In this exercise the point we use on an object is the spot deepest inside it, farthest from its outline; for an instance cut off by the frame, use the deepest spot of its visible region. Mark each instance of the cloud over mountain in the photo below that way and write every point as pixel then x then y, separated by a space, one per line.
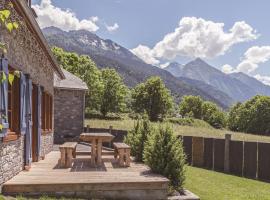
pixel 50 15
pixel 112 28
pixel 197 37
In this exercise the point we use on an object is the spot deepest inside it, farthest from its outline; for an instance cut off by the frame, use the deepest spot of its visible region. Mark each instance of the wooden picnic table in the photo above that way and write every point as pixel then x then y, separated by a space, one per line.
pixel 96 140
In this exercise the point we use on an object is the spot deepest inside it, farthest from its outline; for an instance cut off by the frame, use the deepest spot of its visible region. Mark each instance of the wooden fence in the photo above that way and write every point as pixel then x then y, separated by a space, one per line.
pixel 247 159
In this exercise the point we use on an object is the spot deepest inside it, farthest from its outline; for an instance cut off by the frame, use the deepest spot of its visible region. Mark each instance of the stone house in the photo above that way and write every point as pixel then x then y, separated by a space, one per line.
pixel 69 106
pixel 27 103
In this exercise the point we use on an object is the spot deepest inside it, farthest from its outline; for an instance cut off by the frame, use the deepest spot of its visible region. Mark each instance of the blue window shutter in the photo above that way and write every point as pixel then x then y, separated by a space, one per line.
pixel 28 133
pixel 4 97
pixel 39 120
pixel 22 103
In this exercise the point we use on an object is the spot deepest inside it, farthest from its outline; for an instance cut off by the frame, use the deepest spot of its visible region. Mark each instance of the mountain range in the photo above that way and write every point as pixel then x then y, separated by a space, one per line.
pixel 238 86
pixel 194 78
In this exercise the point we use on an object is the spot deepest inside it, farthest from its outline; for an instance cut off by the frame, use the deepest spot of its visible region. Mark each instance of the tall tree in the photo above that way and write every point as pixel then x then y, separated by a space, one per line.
pixel 114 93
pixel 152 97
pixel 83 67
pixel 252 116
pixel 213 115
pixel 191 106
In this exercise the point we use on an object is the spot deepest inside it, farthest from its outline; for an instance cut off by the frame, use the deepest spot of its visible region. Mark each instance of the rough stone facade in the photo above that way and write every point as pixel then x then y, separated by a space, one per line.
pixel 11 159
pixel 68 114
pixel 24 53
pixel 46 144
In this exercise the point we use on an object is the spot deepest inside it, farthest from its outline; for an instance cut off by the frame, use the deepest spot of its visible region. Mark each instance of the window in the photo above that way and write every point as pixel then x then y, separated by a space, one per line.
pixel 13 109
pixel 46 112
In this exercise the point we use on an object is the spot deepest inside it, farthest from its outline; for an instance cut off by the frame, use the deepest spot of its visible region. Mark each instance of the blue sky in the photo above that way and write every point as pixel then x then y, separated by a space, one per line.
pixel 147 22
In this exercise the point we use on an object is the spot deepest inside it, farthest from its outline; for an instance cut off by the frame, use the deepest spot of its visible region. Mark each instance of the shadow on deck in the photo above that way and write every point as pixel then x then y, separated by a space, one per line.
pixel 108 181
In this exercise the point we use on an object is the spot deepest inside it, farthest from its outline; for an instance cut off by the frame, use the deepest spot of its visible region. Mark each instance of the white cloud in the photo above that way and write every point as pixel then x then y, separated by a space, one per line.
pixel 197 37
pixel 146 54
pixel 164 65
pixel 112 28
pixel 252 58
pixel 49 15
pixel 227 69
pixel 264 79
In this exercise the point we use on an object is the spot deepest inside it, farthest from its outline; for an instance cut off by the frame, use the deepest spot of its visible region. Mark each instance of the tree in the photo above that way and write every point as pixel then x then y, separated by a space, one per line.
pixel 114 92
pixel 83 67
pixel 152 97
pixel 253 116
pixel 191 106
pixel 164 154
pixel 138 136
pixel 213 115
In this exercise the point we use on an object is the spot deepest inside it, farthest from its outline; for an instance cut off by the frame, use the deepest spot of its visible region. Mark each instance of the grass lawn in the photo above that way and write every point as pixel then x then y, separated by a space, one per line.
pixel 127 124
pixel 210 185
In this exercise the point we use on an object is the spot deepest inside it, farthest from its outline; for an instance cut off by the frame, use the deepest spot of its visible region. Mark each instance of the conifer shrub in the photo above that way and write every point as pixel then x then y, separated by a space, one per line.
pixel 164 154
pixel 138 136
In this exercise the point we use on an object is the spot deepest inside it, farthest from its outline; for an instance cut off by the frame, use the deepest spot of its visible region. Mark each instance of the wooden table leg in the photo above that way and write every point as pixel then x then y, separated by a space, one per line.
pixel 69 158
pixel 121 157
pixel 62 161
pixel 99 151
pixel 127 154
pixel 93 152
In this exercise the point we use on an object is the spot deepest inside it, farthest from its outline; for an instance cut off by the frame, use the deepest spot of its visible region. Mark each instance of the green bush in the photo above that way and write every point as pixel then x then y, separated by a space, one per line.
pixel 137 137
pixel 164 155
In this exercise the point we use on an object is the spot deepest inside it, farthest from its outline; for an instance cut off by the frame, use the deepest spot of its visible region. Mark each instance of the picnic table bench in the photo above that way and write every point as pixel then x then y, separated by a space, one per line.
pixel 68 152
pixel 123 151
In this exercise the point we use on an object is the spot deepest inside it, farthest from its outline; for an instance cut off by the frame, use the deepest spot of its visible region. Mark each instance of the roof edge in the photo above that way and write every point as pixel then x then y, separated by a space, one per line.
pixel 25 10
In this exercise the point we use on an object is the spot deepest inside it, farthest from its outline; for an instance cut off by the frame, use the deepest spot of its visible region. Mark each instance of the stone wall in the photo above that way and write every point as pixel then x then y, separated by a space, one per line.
pixel 46 144
pixel 25 53
pixel 68 114
pixel 11 159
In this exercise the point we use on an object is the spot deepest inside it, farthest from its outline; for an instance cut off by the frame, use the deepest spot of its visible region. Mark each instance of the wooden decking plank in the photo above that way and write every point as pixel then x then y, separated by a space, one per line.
pixel 45 176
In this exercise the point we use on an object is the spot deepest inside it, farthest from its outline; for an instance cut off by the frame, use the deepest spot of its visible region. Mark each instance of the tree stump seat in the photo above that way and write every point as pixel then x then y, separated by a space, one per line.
pixel 122 151
pixel 68 153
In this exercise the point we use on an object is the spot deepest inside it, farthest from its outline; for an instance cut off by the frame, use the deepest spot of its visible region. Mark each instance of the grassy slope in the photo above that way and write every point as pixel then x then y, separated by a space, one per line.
pixel 128 124
pixel 209 185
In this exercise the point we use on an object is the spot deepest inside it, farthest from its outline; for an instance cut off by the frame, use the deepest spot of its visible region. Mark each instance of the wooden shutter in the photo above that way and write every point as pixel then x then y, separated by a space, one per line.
pixel 22 103
pixel 4 97
pixel 39 120
pixel 28 135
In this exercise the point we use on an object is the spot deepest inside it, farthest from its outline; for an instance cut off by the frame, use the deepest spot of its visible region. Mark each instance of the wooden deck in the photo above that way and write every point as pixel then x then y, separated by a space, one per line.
pixel 108 181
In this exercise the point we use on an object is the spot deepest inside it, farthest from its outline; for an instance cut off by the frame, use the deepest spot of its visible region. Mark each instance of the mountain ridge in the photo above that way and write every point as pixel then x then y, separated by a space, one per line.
pixel 238 86
pixel 106 53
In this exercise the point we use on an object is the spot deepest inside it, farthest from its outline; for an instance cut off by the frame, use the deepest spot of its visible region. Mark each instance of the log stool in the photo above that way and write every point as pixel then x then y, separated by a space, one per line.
pixel 123 151
pixel 68 152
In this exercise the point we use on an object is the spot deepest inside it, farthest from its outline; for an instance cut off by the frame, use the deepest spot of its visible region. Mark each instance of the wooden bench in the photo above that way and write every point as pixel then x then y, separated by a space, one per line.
pixel 123 151
pixel 68 152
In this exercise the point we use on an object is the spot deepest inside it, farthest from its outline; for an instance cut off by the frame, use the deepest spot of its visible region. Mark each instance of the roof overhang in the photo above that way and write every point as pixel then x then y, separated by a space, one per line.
pixel 27 13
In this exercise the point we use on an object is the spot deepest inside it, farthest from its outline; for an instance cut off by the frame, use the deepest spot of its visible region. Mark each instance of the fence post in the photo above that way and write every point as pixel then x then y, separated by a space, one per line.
pixel 110 131
pixel 227 153
pixel 88 128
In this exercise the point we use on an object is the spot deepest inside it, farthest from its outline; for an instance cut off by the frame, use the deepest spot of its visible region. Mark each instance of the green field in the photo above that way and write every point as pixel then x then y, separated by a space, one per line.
pixel 203 131
pixel 210 185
